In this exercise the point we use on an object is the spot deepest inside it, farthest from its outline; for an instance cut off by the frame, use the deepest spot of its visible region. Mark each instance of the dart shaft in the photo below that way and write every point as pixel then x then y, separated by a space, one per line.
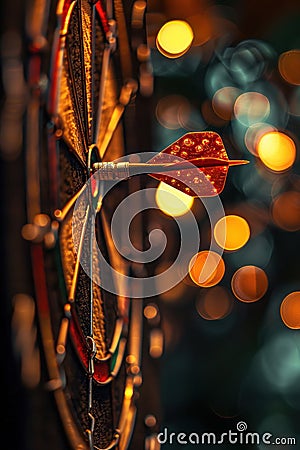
pixel 122 170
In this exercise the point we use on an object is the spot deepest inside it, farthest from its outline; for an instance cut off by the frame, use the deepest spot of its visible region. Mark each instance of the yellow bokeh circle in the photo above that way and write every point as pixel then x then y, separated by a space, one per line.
pixel 174 38
pixel 171 201
pixel 277 151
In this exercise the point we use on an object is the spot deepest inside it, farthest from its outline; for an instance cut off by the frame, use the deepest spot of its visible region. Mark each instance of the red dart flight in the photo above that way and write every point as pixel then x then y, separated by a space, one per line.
pixel 206 151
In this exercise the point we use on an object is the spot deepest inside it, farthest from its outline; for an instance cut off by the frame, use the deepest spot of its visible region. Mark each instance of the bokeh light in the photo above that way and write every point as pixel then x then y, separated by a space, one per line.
pixel 251 107
pixel 281 362
pixel 249 284
pixel 215 303
pixel 217 77
pixel 254 133
pixel 206 268
pixel 243 89
pixel 172 201
pixel 223 101
pixel 277 151
pixel 30 232
pixel 172 110
pixel 286 211
pixel 289 66
pixel 249 60
pixel 231 232
pixel 174 38
pixel 290 310
pixel 156 345
pixel 24 339
pixel 150 311
pixel 270 113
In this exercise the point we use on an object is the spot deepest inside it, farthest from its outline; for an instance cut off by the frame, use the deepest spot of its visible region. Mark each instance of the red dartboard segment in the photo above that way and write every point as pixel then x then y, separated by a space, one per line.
pixel 102 16
pixel 204 181
pixel 101 368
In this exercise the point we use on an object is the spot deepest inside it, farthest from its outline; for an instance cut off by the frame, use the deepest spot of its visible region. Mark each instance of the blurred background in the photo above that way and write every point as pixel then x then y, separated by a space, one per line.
pixel 230 345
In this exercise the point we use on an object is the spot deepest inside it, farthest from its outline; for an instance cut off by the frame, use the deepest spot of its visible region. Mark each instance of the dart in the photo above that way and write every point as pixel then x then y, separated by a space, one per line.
pixel 196 162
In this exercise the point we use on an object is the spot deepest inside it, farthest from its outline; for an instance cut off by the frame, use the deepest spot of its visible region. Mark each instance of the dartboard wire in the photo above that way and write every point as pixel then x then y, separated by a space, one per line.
pixel 72 292
pixel 127 91
pixel 60 214
pixel 90 337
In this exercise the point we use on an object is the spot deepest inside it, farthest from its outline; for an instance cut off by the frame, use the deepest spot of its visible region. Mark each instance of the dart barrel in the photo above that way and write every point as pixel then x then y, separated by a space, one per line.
pixel 112 171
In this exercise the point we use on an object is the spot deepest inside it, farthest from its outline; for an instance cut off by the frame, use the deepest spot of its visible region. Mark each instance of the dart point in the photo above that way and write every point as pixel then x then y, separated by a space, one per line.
pixel 237 162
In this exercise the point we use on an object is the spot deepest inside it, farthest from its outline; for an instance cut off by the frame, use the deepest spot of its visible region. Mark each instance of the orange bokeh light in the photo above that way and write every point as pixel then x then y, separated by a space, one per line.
pixel 150 312
pixel 215 304
pixel 254 133
pixel 249 284
pixel 232 232
pixel 290 310
pixel 206 268
pixel 277 151
pixel 156 344
pixel 286 211
pixel 289 66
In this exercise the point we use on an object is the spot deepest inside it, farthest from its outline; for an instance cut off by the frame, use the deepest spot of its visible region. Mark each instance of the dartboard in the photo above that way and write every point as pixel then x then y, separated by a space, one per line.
pixel 81 72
